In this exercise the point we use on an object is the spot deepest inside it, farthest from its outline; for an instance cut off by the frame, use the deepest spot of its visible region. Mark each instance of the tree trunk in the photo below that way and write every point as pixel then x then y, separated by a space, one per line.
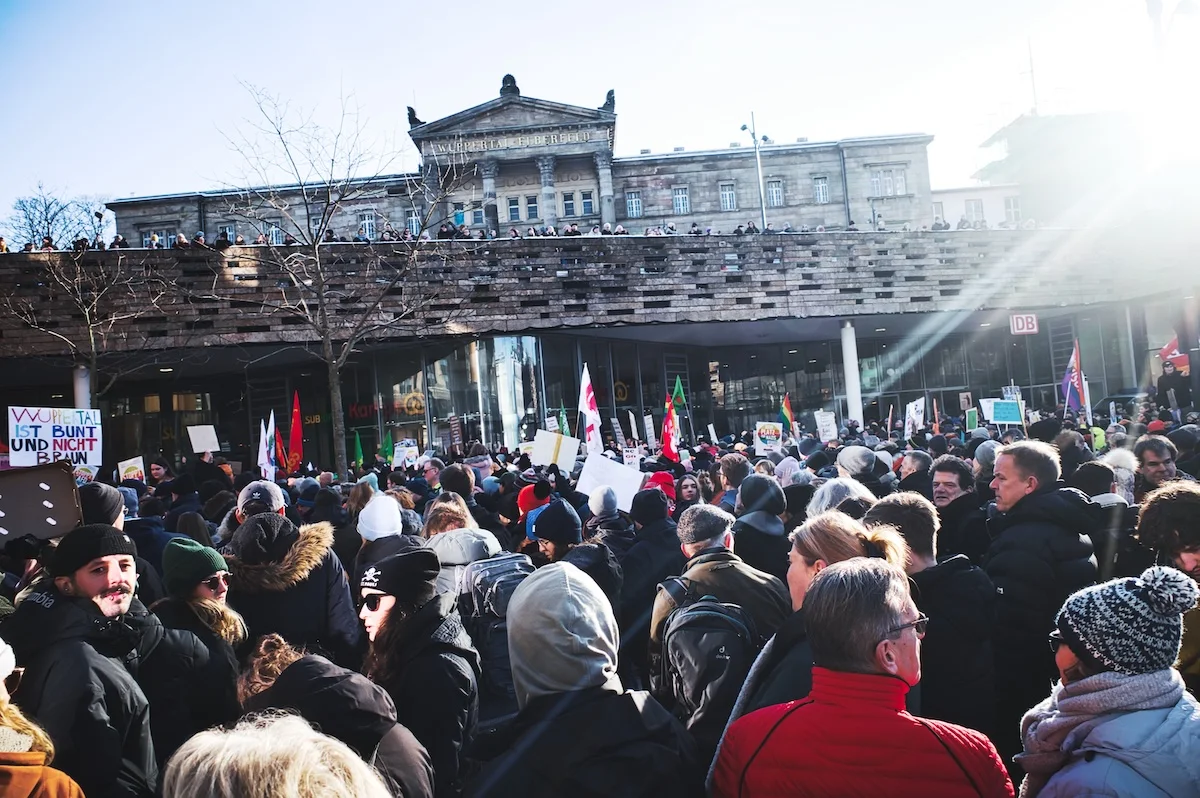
pixel 335 408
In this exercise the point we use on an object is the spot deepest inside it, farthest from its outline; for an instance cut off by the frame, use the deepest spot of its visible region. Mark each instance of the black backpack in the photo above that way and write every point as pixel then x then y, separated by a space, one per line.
pixel 708 647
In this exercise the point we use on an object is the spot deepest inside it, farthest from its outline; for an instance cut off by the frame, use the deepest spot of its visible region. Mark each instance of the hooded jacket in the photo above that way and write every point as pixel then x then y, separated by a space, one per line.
pixel 653 557
pixel 79 687
pixel 957 670
pixel 964 528
pixel 456 550
pixel 597 561
pixel 435 686
pixel 350 707
pixel 762 542
pixel 301 593
pixel 616 532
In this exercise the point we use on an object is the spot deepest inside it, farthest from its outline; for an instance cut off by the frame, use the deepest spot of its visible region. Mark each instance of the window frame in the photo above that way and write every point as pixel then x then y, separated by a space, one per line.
pixel 1012 209
pixel 727 194
pixel 412 221
pixel 587 203
pixel 969 207
pixel 634 209
pixel 532 208
pixel 514 209
pixel 820 184
pixel 568 204
pixel 680 208
pixel 775 194
pixel 366 222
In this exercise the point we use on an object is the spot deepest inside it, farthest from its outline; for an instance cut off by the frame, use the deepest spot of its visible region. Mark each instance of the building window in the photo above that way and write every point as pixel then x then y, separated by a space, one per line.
pixel 514 209
pixel 821 190
pixel 901 183
pixel 569 203
pixel 679 201
pixel 775 193
pixel 974 210
pixel 1012 210
pixel 460 213
pixel 228 230
pixel 477 216
pixel 366 224
pixel 531 207
pixel 589 206
pixel 728 197
pixel 633 204
pixel 165 237
pixel 888 183
pixel 274 232
pixel 938 212
pixel 412 221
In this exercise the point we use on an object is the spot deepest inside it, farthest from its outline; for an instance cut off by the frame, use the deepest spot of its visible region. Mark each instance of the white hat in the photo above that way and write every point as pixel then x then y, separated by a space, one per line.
pixel 381 518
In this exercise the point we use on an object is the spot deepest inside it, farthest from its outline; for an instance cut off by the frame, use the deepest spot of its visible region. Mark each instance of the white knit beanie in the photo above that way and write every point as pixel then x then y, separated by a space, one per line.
pixel 380 518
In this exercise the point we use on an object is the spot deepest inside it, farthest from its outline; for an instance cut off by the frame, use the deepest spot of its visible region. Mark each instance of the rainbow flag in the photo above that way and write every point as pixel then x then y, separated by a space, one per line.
pixel 786 417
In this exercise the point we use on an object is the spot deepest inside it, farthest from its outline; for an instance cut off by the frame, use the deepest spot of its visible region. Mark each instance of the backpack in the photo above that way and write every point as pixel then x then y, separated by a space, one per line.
pixel 708 647
pixel 487 587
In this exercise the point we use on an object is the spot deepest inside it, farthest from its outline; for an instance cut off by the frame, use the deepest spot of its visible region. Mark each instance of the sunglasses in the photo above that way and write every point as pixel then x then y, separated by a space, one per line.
pixel 919 626
pixel 13 680
pixel 1056 640
pixel 215 581
pixel 371 601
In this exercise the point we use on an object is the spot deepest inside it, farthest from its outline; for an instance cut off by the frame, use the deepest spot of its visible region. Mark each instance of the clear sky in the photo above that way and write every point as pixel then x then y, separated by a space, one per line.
pixel 135 97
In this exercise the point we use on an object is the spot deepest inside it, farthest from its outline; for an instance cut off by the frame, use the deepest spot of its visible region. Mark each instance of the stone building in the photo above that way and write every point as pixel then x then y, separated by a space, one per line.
pixel 521 162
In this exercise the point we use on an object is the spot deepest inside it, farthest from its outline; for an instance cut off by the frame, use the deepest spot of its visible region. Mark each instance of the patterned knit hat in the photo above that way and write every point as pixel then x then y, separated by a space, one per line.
pixel 1132 625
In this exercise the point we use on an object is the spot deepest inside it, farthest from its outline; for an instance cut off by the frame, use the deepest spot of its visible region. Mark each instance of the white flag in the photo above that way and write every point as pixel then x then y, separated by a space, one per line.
pixel 591 414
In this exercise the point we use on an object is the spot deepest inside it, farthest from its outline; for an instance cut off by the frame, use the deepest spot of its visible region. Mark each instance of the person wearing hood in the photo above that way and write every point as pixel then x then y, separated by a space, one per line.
pixel 607 524
pixel 559 536
pixel 103 504
pixel 422 656
pixel 184 499
pixel 341 703
pixel 1119 721
pixel 457 548
pixel 460 479
pixel 288 580
pixel 578 732
pixel 762 542
pixel 327 507
pixel 382 533
pixel 862 465
pixel 95 660
pixel 1040 554
pixel 957 669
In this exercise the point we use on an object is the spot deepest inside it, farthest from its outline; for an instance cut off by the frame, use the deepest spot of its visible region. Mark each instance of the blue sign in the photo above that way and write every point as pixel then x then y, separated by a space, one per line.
pixel 1006 412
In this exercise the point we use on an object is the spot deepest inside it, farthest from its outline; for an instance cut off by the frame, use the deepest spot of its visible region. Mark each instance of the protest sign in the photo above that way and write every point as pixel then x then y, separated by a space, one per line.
pixel 985 407
pixel 550 447
pixel 827 427
pixel 133 468
pixel 618 433
pixel 84 474
pixel 633 425
pixel 768 437
pixel 914 417
pixel 599 470
pixel 40 435
pixel 712 433
pixel 525 448
pixel 1011 393
pixel 972 418
pixel 204 439
pixel 1113 416
pixel 651 441
pixel 631 456
pixel 964 400
pixel 551 424
pixel 1005 411
pixel 39 501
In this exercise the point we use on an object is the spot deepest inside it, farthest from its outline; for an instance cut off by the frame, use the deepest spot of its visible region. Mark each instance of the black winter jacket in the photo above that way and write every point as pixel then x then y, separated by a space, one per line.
pixel 762 543
pixel 616 533
pixel 653 557
pixel 597 561
pixel 305 596
pixel 593 743
pixel 435 686
pixel 917 482
pixel 189 503
pixel 486 519
pixel 964 529
pixel 350 707
pixel 150 537
pixel 957 671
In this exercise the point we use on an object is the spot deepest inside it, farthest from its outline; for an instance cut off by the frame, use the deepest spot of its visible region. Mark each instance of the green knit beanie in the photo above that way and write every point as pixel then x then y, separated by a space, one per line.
pixel 186 563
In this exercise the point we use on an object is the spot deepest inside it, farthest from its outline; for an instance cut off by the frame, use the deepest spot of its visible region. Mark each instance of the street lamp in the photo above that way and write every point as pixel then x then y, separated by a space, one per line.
pixel 762 201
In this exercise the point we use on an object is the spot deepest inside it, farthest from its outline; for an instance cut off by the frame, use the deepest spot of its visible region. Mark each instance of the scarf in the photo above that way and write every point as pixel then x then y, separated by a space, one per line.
pixel 1054 729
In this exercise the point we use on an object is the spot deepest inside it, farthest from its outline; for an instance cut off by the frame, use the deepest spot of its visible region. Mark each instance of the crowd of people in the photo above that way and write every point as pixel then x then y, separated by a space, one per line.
pixel 867 615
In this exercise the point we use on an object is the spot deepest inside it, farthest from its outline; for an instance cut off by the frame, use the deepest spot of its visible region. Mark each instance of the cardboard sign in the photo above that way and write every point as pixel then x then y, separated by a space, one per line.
pixel 631 456
pixel 1112 413
pixel 768 437
pixel 550 447
pixel 599 470
pixel 1005 411
pixel 651 441
pixel 134 468
pixel 39 501
pixel 85 474
pixel 204 439
pixel 827 427
pixel 41 435
pixel 551 424
pixel 618 433
pixel 456 431
pixel 712 433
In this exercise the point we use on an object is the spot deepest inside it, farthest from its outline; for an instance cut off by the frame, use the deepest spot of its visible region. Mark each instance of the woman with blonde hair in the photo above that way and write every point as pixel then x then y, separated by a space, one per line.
pixel 269 756
pixel 26 751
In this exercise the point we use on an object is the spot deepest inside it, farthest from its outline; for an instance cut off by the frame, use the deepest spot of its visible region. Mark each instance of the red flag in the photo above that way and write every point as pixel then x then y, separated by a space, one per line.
pixel 295 437
pixel 280 454
pixel 670 432
pixel 1171 353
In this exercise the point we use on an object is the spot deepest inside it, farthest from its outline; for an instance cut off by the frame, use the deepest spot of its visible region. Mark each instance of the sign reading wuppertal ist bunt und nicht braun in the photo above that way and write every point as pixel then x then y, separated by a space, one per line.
pixel 39 435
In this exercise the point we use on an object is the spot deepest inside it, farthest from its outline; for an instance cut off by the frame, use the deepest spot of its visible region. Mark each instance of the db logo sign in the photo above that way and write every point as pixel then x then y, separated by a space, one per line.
pixel 1023 324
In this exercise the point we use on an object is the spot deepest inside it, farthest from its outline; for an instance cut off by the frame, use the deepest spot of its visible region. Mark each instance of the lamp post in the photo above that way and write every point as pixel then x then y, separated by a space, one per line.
pixel 762 201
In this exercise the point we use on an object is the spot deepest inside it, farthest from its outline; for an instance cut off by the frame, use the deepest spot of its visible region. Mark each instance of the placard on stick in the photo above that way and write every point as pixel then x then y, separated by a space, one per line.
pixel 599 470
pixel 39 501
pixel 550 447
pixel 204 438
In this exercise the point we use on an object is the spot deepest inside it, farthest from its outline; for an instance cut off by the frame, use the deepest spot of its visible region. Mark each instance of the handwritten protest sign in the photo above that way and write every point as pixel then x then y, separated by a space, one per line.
pixel 40 435
pixel 827 427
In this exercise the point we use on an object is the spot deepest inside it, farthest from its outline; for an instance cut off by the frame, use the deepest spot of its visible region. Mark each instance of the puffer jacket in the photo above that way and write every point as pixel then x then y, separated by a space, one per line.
pixel 456 550
pixel 802 748
pixel 303 596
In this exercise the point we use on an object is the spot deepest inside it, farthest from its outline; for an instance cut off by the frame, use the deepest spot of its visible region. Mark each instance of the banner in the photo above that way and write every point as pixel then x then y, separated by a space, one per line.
pixel 204 439
pixel 41 435
pixel 134 468
pixel 598 470
pixel 768 437
pixel 827 428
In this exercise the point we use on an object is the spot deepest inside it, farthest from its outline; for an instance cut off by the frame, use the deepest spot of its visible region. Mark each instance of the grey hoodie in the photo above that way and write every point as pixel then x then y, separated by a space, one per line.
pixel 562 634
pixel 456 550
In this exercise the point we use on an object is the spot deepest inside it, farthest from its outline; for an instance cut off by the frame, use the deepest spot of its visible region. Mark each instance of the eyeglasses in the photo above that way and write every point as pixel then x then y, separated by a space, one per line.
pixel 371 601
pixel 215 581
pixel 918 626
pixel 13 680
pixel 1056 640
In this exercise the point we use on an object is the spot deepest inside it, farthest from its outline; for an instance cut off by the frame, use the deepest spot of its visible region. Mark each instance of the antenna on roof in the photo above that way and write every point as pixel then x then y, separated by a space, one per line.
pixel 1032 77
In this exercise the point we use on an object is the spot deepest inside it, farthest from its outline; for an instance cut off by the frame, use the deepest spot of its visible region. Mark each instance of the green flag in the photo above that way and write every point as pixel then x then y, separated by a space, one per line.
pixel 358 455
pixel 386 447
pixel 677 397
pixel 562 421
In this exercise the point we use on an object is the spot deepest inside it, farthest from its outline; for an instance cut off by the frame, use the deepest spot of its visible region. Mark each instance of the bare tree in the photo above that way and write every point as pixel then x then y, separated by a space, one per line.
pixel 64 220
pixel 339 298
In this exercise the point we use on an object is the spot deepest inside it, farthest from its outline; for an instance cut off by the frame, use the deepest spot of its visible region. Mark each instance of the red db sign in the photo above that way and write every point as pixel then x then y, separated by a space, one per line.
pixel 1023 324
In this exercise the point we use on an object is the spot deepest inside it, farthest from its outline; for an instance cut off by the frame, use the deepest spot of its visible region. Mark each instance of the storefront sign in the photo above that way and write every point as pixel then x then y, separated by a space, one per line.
pixel 40 435
pixel 768 437
pixel 1023 324
pixel 313 419
pixel 487 143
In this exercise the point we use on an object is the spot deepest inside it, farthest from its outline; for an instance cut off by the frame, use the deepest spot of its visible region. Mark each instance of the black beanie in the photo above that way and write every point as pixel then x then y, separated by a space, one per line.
pixel 558 523
pixel 100 503
pixel 265 537
pixel 649 505
pixel 410 576
pixel 760 492
pixel 817 460
pixel 83 544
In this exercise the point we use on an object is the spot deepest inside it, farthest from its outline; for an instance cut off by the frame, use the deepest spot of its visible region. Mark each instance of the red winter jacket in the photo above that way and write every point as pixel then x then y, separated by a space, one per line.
pixel 852 737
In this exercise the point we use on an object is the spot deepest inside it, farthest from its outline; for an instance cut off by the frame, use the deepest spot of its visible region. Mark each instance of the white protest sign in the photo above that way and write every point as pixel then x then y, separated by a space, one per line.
pixel 40 435
pixel 618 433
pixel 550 447
pixel 633 425
pixel 598 470
pixel 914 417
pixel 204 439
pixel 651 441
pixel 133 468
pixel 525 448
pixel 551 424
pixel 712 433
pixel 827 428
pixel 1112 413
pixel 631 456
pixel 768 437
pixel 985 407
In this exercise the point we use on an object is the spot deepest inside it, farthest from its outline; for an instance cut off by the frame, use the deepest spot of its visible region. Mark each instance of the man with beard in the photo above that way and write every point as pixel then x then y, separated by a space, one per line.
pixel 960 513
pixel 1169 523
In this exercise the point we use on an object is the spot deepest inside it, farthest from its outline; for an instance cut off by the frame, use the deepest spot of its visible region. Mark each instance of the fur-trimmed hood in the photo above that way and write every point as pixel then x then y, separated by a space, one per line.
pixel 310 548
